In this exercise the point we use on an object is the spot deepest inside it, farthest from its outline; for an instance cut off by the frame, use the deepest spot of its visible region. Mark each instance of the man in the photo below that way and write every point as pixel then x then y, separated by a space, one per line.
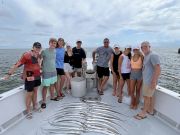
pixel 104 55
pixel 31 75
pixel 151 72
pixel 79 58
pixel 49 74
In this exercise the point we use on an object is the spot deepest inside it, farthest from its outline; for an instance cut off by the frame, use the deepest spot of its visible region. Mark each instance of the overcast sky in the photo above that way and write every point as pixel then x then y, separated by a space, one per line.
pixel 123 21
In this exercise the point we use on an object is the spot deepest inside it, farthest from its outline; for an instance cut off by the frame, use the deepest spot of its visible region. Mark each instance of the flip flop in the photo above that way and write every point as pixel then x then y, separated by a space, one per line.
pixel 139 117
pixel 120 100
pixel 151 113
pixel 55 99
pixel 43 105
pixel 101 93
pixel 29 116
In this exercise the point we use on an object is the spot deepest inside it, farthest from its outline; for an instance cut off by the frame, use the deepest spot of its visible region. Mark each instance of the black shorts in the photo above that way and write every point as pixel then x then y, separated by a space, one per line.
pixel 102 71
pixel 60 71
pixel 125 76
pixel 30 85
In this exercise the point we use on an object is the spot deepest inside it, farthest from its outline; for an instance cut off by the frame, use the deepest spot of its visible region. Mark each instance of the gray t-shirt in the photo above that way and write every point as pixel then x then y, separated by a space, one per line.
pixel 48 64
pixel 104 55
pixel 149 62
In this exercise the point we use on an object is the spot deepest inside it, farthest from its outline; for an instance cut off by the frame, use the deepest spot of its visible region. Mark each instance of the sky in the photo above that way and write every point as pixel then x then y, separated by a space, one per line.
pixel 124 22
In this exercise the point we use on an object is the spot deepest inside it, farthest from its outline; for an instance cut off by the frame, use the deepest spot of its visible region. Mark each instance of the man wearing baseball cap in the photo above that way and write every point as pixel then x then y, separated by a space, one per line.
pixel 31 75
pixel 79 58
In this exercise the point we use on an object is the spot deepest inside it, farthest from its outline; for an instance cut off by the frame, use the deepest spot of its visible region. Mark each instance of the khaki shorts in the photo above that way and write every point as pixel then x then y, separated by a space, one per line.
pixel 77 69
pixel 147 91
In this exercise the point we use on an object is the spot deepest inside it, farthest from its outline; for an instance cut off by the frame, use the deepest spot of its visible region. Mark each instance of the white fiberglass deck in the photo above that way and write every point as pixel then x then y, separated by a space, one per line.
pixel 149 126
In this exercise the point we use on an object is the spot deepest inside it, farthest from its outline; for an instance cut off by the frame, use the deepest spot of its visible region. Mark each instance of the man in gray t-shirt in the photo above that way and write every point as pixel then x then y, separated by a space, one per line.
pixel 151 72
pixel 104 55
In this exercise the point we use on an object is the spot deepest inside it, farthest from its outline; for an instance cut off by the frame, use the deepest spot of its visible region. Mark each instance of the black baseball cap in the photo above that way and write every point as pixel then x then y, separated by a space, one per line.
pixel 79 41
pixel 37 45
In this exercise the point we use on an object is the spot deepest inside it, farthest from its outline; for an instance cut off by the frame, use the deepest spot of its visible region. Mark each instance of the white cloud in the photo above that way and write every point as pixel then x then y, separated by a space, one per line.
pixel 92 20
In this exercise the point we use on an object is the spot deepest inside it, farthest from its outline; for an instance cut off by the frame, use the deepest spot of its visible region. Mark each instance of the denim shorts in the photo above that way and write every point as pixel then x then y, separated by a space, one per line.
pixel 136 75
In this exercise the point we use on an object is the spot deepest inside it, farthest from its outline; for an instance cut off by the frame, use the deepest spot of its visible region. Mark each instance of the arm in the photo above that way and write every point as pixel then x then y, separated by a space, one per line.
pixel 111 62
pixel 157 70
pixel 93 55
pixel 155 76
pixel 120 64
pixel 12 70
pixel 14 67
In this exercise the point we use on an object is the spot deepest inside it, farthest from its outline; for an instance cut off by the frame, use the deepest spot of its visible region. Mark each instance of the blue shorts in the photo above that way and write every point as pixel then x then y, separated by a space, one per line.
pixel 136 75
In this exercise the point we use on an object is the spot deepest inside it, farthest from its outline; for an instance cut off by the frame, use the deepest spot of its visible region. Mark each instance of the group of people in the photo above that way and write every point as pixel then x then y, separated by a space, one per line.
pixel 140 70
pixel 57 64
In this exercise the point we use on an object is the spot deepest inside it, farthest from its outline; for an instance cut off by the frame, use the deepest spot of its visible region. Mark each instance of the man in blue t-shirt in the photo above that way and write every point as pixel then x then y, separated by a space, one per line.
pixel 151 72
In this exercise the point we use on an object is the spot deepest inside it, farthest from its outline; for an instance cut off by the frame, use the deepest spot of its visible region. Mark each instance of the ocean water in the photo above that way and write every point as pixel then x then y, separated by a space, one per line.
pixel 170 63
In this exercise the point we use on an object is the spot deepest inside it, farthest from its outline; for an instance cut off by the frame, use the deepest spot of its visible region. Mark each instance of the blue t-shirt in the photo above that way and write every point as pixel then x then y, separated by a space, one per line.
pixel 149 62
pixel 60 57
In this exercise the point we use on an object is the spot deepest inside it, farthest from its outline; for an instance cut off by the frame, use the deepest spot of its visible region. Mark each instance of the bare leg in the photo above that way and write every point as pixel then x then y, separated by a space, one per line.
pixel 68 78
pixel 146 106
pixel 61 83
pixel 57 86
pixel 79 74
pixel 99 83
pixel 138 91
pixel 121 82
pixel 151 106
pixel 28 101
pixel 114 84
pixel 51 88
pixel 44 92
pixel 128 87
pixel 132 88
pixel 104 81
pixel 35 97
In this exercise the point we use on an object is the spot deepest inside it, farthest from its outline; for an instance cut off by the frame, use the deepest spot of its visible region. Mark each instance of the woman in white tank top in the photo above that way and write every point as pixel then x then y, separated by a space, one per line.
pixel 124 67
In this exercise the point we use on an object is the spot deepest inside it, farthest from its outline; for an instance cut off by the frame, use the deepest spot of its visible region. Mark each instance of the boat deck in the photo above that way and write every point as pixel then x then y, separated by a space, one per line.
pixel 152 125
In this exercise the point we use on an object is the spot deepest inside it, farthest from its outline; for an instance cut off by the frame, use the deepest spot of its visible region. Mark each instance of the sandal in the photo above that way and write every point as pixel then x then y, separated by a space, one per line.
pixel 29 115
pixel 55 99
pixel 151 113
pixel 43 105
pixel 101 92
pixel 62 95
pixel 139 117
pixel 120 100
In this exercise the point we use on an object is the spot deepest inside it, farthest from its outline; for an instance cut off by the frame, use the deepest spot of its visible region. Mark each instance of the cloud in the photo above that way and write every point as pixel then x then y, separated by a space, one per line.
pixel 125 21
pixel 13 29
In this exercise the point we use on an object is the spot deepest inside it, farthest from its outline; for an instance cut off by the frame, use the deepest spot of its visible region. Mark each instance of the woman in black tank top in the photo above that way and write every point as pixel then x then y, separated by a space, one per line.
pixel 114 68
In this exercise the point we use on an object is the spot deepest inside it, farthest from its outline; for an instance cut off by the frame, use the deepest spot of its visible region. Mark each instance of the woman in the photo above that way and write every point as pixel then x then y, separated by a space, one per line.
pixel 124 66
pixel 68 69
pixel 60 51
pixel 136 77
pixel 114 68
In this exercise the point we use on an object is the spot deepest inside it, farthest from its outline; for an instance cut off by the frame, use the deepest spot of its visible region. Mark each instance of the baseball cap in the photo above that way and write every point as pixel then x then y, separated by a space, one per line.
pixel 136 47
pixel 116 46
pixel 68 45
pixel 79 41
pixel 128 46
pixel 37 45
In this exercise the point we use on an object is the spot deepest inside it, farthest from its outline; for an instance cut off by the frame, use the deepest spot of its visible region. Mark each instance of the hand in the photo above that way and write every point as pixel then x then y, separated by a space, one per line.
pixel 6 77
pixel 153 85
